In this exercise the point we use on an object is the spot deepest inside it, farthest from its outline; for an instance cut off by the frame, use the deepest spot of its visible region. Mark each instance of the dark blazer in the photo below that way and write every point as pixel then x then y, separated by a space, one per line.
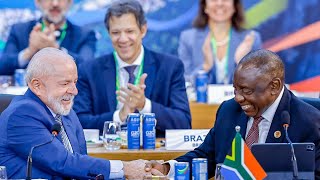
pixel 304 127
pixel 27 122
pixel 96 101
pixel 79 42
pixel 190 51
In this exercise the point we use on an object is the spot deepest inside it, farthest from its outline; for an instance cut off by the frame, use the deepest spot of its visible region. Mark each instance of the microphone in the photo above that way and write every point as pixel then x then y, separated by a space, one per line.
pixel 285 116
pixel 55 129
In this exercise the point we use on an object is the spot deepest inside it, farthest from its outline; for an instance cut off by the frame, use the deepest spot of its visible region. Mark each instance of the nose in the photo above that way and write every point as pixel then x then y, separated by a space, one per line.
pixel 123 37
pixel 55 2
pixel 73 90
pixel 238 97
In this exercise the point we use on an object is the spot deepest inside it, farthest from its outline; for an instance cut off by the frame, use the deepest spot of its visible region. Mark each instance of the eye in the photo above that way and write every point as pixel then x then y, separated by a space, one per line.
pixel 115 32
pixel 247 91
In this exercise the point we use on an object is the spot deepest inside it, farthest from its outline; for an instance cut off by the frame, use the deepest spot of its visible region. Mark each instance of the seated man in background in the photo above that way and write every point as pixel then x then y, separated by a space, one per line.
pixel 52 77
pixel 260 99
pixel 115 85
pixel 52 30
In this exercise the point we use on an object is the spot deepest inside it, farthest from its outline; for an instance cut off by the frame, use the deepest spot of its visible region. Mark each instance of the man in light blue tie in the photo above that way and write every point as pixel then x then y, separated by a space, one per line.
pixel 51 77
pixel 125 72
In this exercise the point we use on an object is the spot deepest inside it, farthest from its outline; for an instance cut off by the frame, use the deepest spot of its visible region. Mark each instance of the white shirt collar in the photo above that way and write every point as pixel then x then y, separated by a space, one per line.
pixel 137 62
pixel 53 114
pixel 269 113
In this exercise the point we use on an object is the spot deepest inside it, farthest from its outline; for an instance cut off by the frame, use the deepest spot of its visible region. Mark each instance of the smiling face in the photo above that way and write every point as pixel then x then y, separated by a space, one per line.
pixel 220 10
pixel 126 36
pixel 54 11
pixel 254 90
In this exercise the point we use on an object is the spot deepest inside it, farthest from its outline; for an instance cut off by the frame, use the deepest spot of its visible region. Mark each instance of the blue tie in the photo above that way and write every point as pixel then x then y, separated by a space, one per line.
pixel 130 70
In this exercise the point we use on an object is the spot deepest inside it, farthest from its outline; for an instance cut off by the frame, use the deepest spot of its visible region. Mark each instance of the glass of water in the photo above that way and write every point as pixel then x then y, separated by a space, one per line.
pixel 111 135
pixel 3 173
pixel 218 175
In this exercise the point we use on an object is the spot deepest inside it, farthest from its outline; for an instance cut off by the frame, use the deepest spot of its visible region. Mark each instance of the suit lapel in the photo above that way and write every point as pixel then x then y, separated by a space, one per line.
pixel 109 79
pixel 149 68
pixel 233 44
pixel 242 122
pixel 71 134
pixel 276 125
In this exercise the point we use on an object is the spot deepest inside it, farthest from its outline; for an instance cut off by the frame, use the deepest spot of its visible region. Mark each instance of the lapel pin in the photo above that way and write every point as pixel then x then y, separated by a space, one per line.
pixel 277 134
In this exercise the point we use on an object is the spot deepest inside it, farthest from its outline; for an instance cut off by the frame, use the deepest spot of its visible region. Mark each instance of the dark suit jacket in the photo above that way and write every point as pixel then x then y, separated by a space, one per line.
pixel 304 127
pixel 27 122
pixel 96 101
pixel 79 42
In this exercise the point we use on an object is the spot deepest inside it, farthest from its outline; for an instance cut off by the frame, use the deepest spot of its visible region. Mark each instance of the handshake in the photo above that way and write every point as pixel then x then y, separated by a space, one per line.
pixel 143 169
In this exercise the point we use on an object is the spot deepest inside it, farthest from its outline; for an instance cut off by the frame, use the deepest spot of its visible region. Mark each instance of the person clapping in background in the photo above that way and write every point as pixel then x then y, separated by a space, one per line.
pixel 217 41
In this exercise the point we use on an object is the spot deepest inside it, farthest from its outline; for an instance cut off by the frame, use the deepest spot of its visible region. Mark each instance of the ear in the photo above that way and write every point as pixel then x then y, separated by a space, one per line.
pixel 144 30
pixel 37 3
pixel 276 86
pixel 70 3
pixel 36 86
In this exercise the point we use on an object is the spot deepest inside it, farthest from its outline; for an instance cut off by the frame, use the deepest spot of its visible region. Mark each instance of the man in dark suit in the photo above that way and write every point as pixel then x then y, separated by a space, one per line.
pixel 27 122
pixel 125 72
pixel 260 99
pixel 52 30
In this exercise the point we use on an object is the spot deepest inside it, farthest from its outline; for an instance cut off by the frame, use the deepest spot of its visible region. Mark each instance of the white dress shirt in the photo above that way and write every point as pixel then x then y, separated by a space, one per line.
pixel 116 166
pixel 264 127
pixel 124 79
pixel 265 124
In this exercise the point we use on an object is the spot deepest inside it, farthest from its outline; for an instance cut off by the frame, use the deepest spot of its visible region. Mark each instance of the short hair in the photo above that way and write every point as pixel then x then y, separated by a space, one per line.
pixel 237 20
pixel 41 64
pixel 267 61
pixel 121 7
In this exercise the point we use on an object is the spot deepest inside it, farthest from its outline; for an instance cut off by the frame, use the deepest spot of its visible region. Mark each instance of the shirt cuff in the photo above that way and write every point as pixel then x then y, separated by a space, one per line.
pixel 116 117
pixel 147 107
pixel 22 62
pixel 116 169
pixel 170 174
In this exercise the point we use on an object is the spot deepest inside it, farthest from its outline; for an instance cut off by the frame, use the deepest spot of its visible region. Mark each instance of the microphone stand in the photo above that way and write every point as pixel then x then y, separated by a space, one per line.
pixel 29 162
pixel 293 159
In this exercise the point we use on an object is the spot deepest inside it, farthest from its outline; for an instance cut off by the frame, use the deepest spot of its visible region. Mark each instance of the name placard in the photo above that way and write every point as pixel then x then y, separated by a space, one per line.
pixel 218 93
pixel 186 139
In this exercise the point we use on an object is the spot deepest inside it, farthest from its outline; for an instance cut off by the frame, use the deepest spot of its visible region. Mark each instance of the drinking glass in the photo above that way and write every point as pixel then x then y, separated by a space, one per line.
pixel 3 173
pixel 218 175
pixel 111 135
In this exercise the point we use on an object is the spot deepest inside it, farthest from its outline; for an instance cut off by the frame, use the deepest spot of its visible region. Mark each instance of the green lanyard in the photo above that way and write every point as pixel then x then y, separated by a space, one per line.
pixel 137 79
pixel 214 48
pixel 63 33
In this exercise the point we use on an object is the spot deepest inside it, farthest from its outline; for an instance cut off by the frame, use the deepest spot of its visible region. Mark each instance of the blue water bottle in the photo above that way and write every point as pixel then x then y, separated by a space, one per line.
pixel 201 86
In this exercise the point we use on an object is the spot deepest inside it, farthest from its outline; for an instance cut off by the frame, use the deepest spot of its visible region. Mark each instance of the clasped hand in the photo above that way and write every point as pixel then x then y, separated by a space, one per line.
pixel 143 169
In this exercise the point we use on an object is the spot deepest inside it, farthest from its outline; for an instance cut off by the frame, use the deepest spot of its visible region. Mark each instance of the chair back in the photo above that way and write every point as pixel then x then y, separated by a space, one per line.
pixel 5 100
pixel 315 102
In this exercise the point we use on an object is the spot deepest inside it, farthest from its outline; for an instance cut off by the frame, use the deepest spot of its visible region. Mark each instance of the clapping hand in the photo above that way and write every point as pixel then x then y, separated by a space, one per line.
pixel 133 97
pixel 207 54
pixel 245 47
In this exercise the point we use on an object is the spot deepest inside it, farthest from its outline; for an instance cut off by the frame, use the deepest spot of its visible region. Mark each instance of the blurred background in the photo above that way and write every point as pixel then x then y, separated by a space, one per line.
pixel 290 28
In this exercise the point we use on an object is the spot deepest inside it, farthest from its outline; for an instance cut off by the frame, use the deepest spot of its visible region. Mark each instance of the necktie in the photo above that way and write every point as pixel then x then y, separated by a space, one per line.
pixel 253 134
pixel 64 136
pixel 130 70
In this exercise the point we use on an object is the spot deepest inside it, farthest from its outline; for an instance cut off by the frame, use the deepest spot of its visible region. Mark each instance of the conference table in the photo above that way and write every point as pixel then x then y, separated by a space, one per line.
pixel 203 117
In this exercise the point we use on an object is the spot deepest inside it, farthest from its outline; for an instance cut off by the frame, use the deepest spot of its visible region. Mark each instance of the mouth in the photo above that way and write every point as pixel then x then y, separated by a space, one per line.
pixel 55 12
pixel 247 108
pixel 67 99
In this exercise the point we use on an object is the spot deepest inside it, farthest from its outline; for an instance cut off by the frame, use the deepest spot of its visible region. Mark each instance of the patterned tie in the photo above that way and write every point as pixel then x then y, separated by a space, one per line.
pixel 63 133
pixel 253 134
pixel 130 70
